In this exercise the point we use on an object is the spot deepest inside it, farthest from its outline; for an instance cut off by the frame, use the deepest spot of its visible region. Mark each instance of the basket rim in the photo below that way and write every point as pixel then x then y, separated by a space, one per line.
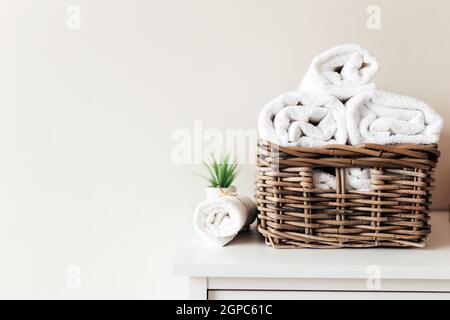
pixel 371 149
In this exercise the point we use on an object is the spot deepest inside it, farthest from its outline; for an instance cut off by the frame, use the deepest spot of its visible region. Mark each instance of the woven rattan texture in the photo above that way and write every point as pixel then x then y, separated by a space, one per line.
pixel 395 213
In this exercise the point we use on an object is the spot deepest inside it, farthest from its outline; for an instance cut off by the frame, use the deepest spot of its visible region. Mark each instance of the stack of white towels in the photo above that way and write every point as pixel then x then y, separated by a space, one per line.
pixel 337 103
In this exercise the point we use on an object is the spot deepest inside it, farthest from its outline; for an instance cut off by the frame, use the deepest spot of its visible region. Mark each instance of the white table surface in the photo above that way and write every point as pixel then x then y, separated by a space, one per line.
pixel 247 256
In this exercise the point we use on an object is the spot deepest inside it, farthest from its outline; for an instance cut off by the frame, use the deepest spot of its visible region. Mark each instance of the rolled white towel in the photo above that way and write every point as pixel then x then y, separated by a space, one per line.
pixel 323 180
pixel 341 71
pixel 380 117
pixel 355 179
pixel 219 221
pixel 305 119
pixel 358 179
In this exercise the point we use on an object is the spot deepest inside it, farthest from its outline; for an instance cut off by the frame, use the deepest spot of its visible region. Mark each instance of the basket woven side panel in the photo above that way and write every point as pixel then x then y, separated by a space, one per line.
pixel 395 213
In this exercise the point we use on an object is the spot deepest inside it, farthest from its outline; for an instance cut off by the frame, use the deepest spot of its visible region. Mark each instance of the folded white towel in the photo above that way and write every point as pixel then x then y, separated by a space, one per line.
pixel 375 116
pixel 219 221
pixel 341 71
pixel 355 179
pixel 305 119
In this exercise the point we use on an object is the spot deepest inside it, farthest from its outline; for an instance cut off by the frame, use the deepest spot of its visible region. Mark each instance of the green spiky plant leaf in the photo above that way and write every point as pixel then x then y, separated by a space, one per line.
pixel 222 172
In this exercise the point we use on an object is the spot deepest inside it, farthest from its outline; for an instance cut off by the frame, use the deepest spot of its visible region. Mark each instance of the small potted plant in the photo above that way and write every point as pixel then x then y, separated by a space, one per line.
pixel 222 174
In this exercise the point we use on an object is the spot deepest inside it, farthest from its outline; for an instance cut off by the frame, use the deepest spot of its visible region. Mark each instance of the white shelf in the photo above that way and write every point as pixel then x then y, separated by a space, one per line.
pixel 248 256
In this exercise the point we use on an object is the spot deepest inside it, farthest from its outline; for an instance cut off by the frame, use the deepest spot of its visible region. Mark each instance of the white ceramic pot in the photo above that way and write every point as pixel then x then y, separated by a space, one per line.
pixel 212 193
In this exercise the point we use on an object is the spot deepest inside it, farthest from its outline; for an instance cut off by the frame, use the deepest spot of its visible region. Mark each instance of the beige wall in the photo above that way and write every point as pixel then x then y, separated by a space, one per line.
pixel 86 117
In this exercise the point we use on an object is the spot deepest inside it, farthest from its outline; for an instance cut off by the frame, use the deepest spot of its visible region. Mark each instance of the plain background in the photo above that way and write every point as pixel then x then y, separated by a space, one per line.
pixel 87 183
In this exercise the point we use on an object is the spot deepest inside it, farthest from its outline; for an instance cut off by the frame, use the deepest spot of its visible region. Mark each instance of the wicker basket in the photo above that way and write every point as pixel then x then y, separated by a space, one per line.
pixel 292 214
